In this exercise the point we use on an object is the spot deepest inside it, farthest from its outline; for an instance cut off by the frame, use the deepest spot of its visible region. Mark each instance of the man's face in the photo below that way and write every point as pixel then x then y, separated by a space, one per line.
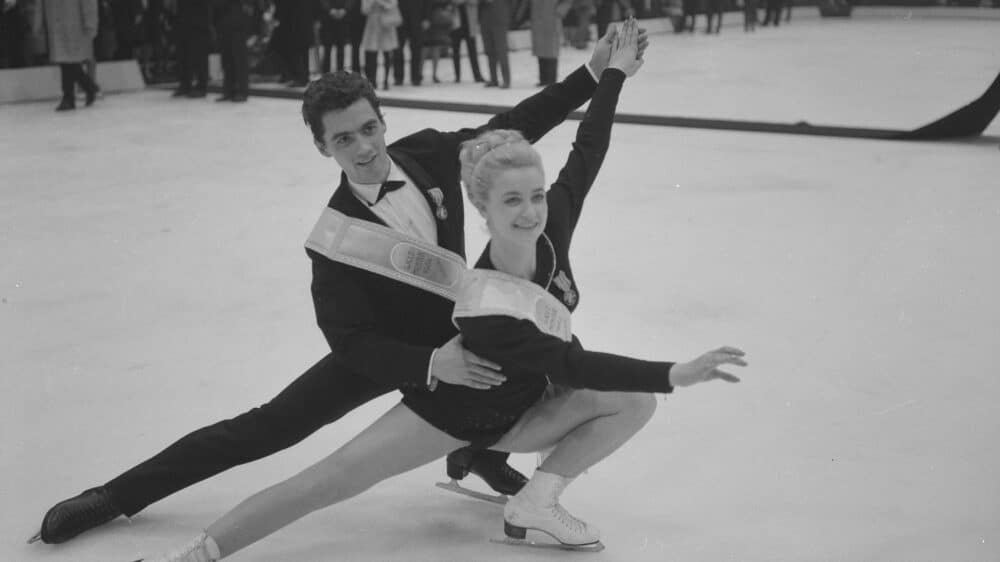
pixel 355 138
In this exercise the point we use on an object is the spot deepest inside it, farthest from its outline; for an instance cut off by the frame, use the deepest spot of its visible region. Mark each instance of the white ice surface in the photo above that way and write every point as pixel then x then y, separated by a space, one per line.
pixel 153 281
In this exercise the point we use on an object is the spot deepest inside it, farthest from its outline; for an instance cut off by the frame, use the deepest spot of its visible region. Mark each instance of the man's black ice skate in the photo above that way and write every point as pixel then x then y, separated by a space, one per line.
pixel 68 518
pixel 491 466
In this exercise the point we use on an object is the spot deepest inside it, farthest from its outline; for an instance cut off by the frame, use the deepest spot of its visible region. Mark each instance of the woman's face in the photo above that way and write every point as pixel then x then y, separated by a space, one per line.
pixel 515 208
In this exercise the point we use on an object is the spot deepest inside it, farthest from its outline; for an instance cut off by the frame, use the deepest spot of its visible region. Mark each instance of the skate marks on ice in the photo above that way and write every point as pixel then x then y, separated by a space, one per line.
pixel 454 486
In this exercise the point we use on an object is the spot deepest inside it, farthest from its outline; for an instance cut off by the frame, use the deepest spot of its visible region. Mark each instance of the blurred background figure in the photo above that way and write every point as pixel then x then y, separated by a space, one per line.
pixel 494 21
pixel 192 38
pixel 71 26
pixel 467 30
pixel 440 23
pixel 713 9
pixel 577 23
pixel 749 15
pixel 609 11
pixel 772 12
pixel 232 28
pixel 410 33
pixel 380 36
pixel 293 37
pixel 546 36
pixel 335 31
pixel 14 35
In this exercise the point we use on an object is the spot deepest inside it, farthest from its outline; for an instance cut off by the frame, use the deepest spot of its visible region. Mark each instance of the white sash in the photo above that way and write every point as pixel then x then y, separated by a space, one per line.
pixel 386 252
pixel 487 293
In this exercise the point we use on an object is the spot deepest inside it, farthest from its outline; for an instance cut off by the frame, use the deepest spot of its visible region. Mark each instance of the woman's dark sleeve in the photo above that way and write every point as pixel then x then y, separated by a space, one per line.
pixel 519 343
pixel 587 154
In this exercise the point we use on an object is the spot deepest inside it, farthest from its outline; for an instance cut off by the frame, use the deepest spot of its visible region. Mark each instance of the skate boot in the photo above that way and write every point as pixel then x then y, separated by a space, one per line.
pixel 201 549
pixel 537 507
pixel 491 466
pixel 69 518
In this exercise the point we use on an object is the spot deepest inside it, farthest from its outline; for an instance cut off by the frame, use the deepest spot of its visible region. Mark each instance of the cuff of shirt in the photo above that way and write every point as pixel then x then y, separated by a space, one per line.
pixel 592 73
pixel 432 381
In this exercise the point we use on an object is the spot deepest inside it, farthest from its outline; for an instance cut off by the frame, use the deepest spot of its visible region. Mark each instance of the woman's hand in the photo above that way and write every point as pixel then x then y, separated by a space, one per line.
pixel 625 48
pixel 706 367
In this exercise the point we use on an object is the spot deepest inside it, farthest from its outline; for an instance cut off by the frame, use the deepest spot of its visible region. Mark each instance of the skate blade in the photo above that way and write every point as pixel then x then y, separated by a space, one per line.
pixel 37 537
pixel 593 547
pixel 454 486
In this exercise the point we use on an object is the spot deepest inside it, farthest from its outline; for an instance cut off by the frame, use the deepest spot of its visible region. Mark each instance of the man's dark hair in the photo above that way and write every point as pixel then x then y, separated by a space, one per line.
pixel 335 91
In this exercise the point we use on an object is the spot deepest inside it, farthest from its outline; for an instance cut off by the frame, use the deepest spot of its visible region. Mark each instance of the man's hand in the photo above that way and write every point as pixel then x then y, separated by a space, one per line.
pixel 602 52
pixel 454 364
pixel 705 368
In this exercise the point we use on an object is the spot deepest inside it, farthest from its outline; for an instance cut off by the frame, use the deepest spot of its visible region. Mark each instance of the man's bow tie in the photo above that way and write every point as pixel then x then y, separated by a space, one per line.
pixel 391 185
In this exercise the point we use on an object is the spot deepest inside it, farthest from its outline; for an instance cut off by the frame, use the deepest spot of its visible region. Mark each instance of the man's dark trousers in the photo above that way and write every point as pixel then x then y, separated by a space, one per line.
pixel 321 395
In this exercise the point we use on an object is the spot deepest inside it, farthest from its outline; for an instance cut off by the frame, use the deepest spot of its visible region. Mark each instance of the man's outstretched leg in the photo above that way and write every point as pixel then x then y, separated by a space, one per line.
pixel 321 395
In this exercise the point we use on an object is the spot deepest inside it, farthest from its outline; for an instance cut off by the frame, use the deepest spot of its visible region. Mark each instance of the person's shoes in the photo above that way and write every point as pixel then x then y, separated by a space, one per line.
pixel 181 93
pixel 491 84
pixel 385 85
pixel 91 96
pixel 66 104
pixel 239 98
pixel 480 79
pixel 197 93
pixel 545 514
pixel 224 97
pixel 505 86
pixel 68 518
pixel 435 79
pixel 491 466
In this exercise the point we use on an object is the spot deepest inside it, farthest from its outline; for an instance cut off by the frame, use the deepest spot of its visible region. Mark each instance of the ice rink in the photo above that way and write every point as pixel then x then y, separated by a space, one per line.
pixel 153 281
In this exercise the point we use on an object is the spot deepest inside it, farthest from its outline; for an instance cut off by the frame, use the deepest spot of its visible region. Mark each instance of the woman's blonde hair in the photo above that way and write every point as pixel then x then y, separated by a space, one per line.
pixel 490 153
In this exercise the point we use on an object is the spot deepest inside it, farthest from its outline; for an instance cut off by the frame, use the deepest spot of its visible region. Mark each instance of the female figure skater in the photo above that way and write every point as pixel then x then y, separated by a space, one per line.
pixel 528 251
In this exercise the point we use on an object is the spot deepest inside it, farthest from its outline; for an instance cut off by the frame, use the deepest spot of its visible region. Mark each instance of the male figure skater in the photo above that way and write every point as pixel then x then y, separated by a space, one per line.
pixel 384 334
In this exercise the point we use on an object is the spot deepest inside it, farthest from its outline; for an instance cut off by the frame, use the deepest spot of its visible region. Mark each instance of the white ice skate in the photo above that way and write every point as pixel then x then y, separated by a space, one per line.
pixel 521 515
pixel 201 549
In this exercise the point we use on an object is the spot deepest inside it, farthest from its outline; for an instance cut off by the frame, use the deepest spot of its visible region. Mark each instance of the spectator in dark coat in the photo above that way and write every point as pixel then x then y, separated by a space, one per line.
pixel 193 35
pixel 293 37
pixel 467 30
pixel 232 26
pixel 416 14
pixel 335 31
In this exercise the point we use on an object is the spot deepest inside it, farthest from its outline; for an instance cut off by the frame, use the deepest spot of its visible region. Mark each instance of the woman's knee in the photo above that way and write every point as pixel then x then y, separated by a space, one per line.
pixel 638 405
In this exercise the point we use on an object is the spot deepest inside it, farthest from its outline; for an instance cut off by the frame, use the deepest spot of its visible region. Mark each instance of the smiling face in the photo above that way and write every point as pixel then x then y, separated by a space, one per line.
pixel 355 138
pixel 515 207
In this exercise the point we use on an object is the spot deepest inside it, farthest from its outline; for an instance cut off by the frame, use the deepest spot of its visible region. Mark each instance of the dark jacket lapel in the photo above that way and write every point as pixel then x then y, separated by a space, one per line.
pixel 450 232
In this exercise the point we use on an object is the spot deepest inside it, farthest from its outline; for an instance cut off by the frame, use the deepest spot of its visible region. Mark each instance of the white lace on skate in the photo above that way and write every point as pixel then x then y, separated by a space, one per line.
pixel 552 520
pixel 193 552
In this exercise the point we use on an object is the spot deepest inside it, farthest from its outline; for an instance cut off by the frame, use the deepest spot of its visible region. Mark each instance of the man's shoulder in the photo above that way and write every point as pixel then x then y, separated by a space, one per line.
pixel 419 139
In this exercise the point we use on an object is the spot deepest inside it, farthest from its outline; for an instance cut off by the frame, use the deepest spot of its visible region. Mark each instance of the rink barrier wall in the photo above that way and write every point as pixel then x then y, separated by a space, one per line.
pixel 38 83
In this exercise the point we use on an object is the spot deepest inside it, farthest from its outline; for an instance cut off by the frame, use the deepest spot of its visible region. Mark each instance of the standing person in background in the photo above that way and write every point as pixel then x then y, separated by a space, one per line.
pixel 606 13
pixel 105 43
pixel 232 24
pixel 467 30
pixel 293 38
pixel 129 29
pixel 441 22
pixel 546 36
pixel 193 33
pixel 749 15
pixel 71 26
pixel 13 35
pixel 788 11
pixel 411 33
pixel 772 12
pixel 494 21
pixel 356 24
pixel 582 13
pixel 380 36
pixel 334 31
pixel 713 8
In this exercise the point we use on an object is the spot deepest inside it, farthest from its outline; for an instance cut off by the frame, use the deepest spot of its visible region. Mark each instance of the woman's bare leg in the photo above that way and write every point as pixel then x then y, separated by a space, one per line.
pixel 584 425
pixel 397 442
